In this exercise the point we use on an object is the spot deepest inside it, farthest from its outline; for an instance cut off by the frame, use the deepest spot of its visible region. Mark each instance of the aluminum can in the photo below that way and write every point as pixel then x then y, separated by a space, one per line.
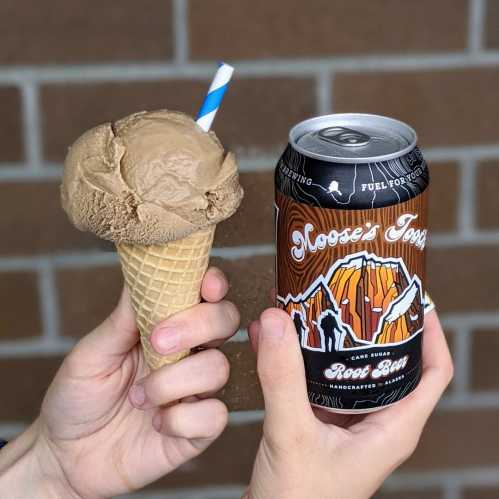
pixel 351 228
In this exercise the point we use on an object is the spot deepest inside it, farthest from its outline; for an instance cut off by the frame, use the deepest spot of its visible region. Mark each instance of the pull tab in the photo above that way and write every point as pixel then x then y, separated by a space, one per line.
pixel 342 136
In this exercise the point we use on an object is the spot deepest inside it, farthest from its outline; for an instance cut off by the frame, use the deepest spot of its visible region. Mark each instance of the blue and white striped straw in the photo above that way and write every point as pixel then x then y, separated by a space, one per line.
pixel 214 96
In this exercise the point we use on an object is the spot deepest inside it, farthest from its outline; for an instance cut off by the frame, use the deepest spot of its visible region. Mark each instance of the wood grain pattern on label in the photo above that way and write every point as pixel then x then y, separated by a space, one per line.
pixel 352 278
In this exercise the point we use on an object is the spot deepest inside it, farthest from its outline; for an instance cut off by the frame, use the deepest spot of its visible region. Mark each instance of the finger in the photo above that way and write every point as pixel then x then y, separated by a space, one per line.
pixel 214 286
pixel 205 372
pixel 253 329
pixel 198 325
pixel 414 410
pixel 102 350
pixel 204 419
pixel 282 375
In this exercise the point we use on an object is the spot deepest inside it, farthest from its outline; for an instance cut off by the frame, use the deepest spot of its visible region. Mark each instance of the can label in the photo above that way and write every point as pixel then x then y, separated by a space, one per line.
pixel 352 280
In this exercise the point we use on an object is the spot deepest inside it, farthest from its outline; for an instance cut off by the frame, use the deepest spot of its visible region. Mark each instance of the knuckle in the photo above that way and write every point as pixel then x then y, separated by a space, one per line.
pixel 220 366
pixel 156 385
pixel 232 313
pixel 170 423
pixel 220 417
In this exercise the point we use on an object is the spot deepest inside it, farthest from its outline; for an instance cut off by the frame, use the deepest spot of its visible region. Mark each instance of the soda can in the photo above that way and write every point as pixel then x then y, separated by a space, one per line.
pixel 351 228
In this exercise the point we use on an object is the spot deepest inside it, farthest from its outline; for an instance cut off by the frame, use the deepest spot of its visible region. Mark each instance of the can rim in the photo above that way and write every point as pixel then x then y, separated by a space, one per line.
pixel 294 135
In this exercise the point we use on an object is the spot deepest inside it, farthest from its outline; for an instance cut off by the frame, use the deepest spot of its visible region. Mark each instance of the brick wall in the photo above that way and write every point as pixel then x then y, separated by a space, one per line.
pixel 69 65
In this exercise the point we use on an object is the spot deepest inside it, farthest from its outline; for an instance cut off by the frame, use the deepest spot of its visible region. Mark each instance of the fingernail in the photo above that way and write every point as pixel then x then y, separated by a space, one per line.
pixel 156 422
pixel 167 340
pixel 137 395
pixel 273 328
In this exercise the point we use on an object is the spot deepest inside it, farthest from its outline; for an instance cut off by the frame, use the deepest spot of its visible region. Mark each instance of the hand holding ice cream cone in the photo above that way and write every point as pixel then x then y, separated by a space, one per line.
pixel 156 184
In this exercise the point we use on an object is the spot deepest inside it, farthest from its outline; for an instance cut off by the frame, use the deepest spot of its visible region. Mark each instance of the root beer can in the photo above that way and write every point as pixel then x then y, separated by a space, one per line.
pixel 351 227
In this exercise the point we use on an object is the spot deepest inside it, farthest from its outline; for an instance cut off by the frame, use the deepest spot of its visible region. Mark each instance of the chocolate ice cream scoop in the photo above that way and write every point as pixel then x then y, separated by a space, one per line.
pixel 148 179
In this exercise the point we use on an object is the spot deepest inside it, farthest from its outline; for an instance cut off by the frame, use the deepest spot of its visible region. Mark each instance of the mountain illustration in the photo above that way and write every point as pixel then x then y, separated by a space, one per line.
pixel 317 321
pixel 363 300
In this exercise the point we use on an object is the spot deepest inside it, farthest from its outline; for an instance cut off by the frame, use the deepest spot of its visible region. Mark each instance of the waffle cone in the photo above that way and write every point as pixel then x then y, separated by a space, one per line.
pixel 163 280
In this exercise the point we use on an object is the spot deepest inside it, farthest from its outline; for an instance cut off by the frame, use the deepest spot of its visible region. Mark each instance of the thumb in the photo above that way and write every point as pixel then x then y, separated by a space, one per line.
pixel 282 374
pixel 104 348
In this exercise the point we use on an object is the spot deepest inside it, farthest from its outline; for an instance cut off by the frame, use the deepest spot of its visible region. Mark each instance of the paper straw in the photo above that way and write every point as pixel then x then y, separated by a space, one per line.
pixel 214 96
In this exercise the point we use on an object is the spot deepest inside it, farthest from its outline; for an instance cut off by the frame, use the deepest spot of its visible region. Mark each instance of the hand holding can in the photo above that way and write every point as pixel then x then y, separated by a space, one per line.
pixel 351 217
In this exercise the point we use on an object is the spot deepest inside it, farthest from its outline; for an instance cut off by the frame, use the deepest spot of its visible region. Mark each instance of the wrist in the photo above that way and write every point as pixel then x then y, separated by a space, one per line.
pixel 28 468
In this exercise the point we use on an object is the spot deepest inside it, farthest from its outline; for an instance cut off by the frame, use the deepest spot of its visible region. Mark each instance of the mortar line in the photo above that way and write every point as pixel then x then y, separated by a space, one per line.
pixel 210 492
pixel 466 205
pixel 470 402
pixel 241 336
pixel 428 479
pixel 180 31
pixel 470 320
pixel 476 29
pixel 247 68
pixel 246 417
pixel 236 252
pixel 48 300
pixel 82 259
pixel 452 490
pixel 259 163
pixel 31 124
pixel 332 76
pixel 463 240
pixel 28 173
pixel 95 258
pixel 50 170
pixel 462 359
pixel 323 92
pixel 39 347
pixel 11 430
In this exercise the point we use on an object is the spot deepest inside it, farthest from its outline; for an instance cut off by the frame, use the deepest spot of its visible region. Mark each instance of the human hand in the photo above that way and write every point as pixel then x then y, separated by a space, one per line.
pixel 109 426
pixel 308 452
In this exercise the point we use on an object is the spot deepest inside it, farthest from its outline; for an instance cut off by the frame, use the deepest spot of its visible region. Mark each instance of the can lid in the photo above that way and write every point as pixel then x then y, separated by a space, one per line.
pixel 352 138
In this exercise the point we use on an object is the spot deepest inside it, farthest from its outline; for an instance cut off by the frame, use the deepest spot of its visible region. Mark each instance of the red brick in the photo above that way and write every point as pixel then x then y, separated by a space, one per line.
pixel 283 28
pixel 486 195
pixel 464 278
pixel 481 493
pixel 87 296
pixel 11 140
pixel 36 222
pixel 254 221
pixel 251 280
pixel 72 31
pixel 492 21
pixel 444 186
pixel 21 399
pixel 20 317
pixel 441 105
pixel 485 371
pixel 228 461
pixel 457 439
pixel 244 124
pixel 242 392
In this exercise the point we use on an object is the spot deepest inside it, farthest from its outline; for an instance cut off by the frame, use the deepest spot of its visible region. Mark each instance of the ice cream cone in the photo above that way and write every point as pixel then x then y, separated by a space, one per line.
pixel 163 280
